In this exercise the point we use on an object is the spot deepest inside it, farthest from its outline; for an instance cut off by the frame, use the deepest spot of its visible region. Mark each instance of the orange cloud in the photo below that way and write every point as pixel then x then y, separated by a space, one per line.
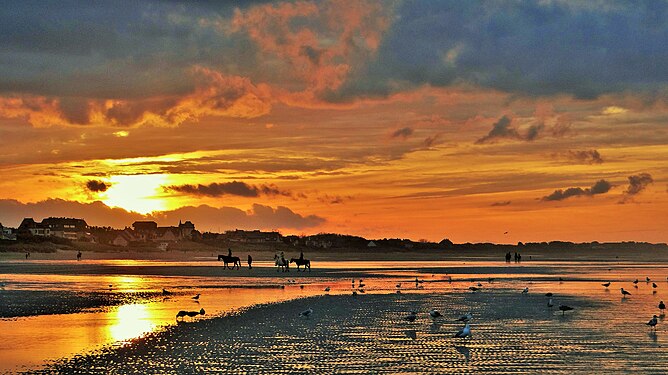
pixel 333 39
pixel 214 94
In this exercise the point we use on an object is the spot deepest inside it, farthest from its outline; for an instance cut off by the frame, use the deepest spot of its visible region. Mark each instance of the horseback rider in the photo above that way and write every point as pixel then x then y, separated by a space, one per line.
pixel 229 252
pixel 301 255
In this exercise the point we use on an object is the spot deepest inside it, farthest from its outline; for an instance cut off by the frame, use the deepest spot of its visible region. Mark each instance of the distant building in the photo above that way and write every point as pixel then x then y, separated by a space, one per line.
pixel 145 226
pixel 186 229
pixel 7 233
pixel 124 238
pixel 29 227
pixel 254 236
pixel 63 227
pixel 73 229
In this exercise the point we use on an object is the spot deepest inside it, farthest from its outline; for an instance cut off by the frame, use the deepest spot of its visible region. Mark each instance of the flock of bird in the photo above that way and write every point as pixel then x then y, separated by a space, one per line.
pixel 662 306
pixel 466 330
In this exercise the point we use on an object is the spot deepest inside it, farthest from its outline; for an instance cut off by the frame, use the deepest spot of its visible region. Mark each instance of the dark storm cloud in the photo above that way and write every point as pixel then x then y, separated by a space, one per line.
pixel 500 129
pixel 638 183
pixel 585 156
pixel 600 187
pixel 129 49
pixel 238 188
pixel 97 186
pixel 584 49
pixel 402 133
pixel 500 204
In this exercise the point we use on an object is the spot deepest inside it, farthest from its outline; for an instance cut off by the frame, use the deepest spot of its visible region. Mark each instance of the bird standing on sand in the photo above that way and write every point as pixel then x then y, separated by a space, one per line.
pixel 464 332
pixel 647 279
pixel 624 293
pixel 398 285
pixel 635 283
pixel 526 290
pixel 306 313
pixel 327 289
pixel 473 289
pixel 196 297
pixel 662 307
pixel 654 285
pixel 564 308
pixel 652 322
pixel 166 292
pixel 435 314
pixel 411 317
pixel 465 318
pixel 606 285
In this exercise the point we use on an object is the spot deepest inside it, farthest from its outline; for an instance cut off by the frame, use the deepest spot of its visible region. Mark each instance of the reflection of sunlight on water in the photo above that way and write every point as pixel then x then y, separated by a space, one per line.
pixel 130 321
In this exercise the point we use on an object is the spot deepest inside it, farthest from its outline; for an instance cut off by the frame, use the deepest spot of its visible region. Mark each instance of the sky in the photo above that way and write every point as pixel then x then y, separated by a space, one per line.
pixel 476 121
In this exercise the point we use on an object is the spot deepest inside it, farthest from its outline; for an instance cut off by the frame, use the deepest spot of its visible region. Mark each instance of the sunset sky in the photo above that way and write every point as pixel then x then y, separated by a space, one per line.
pixel 413 119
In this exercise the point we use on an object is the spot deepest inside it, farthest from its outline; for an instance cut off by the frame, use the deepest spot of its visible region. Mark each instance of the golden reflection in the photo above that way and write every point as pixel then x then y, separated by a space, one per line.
pixel 130 321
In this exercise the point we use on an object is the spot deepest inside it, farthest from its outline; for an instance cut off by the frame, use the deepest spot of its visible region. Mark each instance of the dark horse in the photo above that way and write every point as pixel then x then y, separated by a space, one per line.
pixel 234 260
pixel 302 262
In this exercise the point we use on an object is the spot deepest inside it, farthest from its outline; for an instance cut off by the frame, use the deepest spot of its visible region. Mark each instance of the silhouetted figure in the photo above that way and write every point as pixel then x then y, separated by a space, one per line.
pixel 229 252
pixel 79 256
pixel 301 255
pixel 516 258
pixel 519 258
pixel 250 262
pixel 27 255
pixel 508 257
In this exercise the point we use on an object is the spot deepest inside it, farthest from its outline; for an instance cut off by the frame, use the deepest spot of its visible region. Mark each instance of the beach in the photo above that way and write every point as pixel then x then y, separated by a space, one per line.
pixel 252 322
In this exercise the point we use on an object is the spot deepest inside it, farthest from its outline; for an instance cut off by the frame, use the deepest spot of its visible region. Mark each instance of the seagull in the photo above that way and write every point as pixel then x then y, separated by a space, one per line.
pixel 166 292
pixel 549 303
pixel 306 313
pixel 647 279
pixel 662 307
pixel 196 297
pixel 526 290
pixel 466 331
pixel 635 281
pixel 564 308
pixel 473 289
pixel 398 285
pixel 548 294
pixel 625 293
pixel 465 318
pixel 435 314
pixel 606 284
pixel 652 322
pixel 479 285
pixel 654 285
pixel 361 290
pixel 354 293
pixel 327 289
pixel 411 317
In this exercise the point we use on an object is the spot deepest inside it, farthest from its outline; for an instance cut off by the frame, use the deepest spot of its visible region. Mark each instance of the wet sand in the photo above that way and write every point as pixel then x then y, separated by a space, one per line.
pixel 512 333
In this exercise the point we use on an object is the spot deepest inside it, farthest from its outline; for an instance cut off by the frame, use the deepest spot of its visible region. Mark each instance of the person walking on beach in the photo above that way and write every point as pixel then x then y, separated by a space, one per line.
pixel 250 262
pixel 508 257
pixel 79 256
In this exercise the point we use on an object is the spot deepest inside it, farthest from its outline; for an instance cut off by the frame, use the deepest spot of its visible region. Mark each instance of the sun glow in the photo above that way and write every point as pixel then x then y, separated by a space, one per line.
pixel 139 193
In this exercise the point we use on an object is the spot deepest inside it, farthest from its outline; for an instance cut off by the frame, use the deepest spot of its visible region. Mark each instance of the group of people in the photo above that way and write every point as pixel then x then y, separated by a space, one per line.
pixel 250 258
pixel 518 257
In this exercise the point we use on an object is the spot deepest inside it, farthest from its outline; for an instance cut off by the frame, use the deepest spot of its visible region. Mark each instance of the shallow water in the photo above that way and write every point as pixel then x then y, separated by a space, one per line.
pixel 29 343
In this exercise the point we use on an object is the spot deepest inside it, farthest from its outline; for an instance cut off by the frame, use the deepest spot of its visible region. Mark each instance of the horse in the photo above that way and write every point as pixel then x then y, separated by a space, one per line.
pixel 281 263
pixel 181 314
pixel 302 262
pixel 227 259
